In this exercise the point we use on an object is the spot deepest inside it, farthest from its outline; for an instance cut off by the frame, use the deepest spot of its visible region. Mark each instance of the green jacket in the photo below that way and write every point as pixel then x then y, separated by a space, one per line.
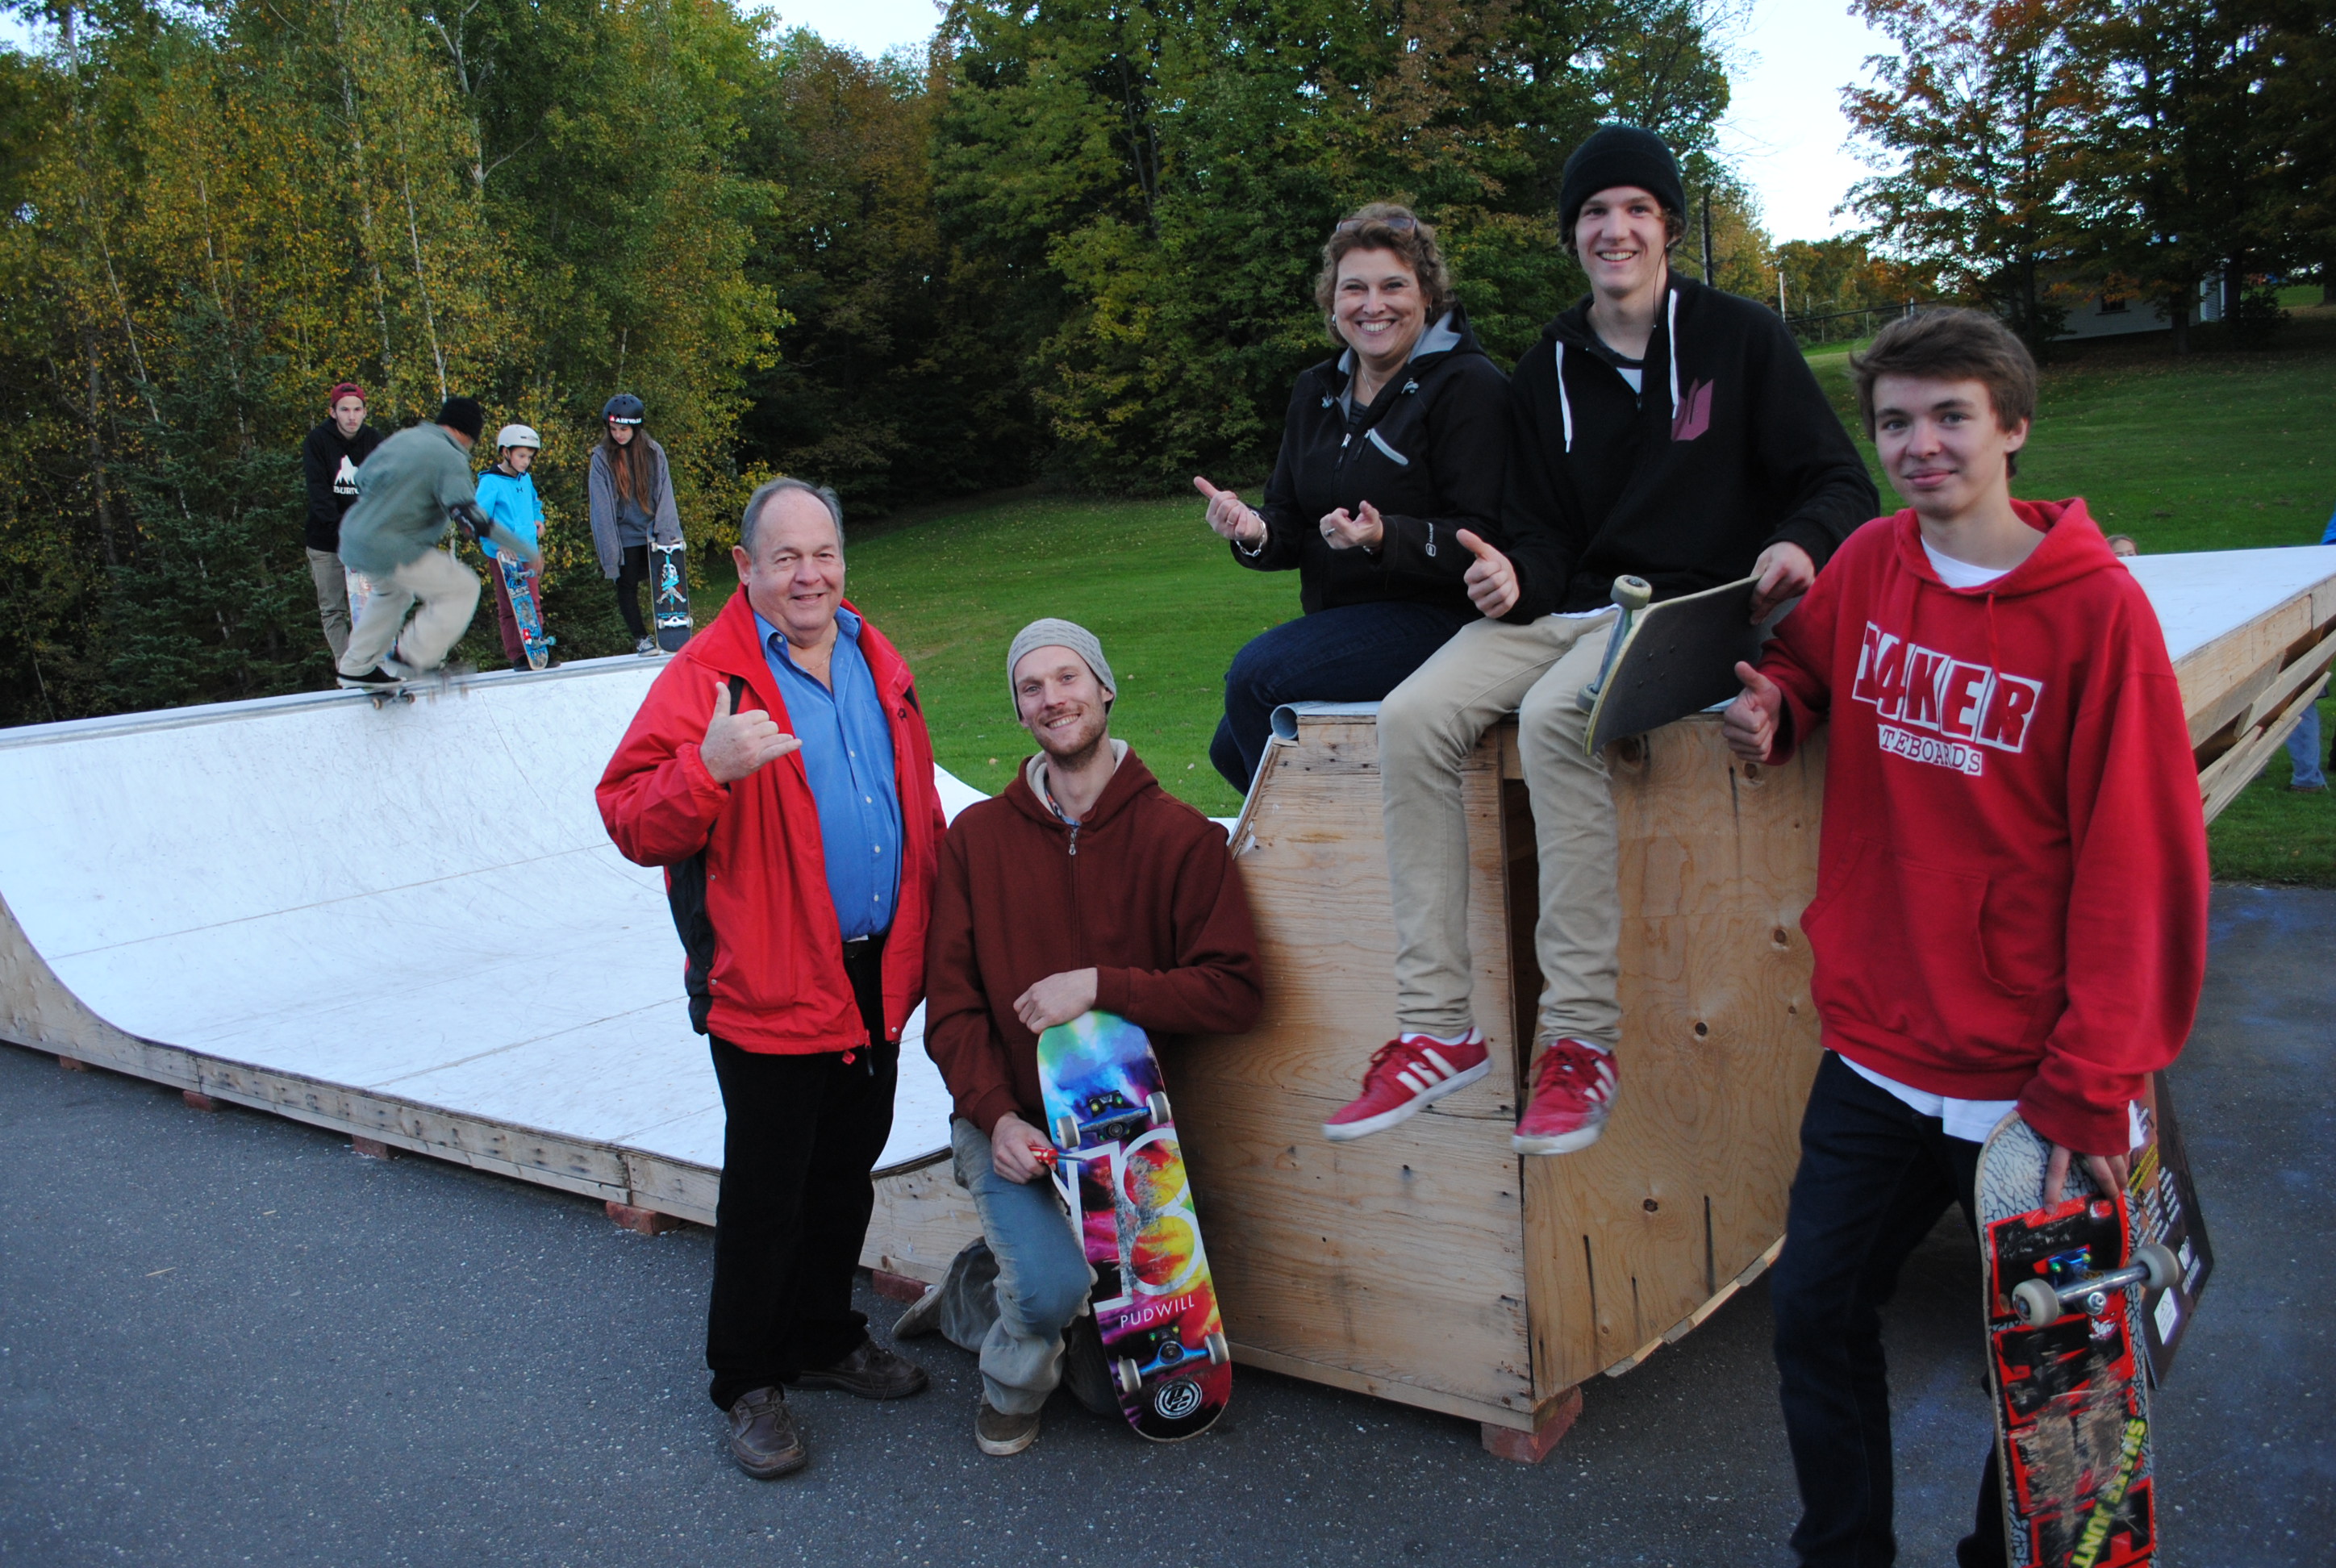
pixel 404 491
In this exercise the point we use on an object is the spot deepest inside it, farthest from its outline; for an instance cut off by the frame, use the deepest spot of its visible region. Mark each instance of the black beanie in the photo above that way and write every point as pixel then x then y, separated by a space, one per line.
pixel 463 413
pixel 1620 155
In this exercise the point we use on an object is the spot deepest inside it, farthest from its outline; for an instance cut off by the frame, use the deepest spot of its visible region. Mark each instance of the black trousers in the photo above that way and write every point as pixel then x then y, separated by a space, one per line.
pixel 1873 1179
pixel 632 571
pixel 800 1137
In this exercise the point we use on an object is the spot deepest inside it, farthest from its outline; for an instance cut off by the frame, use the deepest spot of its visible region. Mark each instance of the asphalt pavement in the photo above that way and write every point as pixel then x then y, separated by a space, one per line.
pixel 225 1338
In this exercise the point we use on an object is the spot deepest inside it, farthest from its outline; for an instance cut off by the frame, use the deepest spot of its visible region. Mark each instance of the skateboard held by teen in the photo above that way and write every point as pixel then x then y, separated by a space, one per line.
pixel 2062 1286
pixel 1665 661
pixel 1122 1173
pixel 525 609
pixel 669 594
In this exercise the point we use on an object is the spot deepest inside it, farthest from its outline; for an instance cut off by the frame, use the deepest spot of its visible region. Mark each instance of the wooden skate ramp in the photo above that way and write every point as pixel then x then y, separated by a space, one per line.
pixel 405 923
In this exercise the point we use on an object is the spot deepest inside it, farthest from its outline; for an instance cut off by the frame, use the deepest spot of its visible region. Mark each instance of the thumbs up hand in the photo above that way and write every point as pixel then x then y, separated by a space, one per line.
pixel 1492 581
pixel 1750 723
pixel 739 744
pixel 1230 517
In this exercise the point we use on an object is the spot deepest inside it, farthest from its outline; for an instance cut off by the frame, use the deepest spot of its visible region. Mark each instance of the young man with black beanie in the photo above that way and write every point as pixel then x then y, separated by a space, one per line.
pixel 1661 429
pixel 414 485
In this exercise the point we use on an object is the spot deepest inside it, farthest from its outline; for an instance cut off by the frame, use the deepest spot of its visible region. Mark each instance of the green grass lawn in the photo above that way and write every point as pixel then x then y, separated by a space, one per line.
pixel 2214 452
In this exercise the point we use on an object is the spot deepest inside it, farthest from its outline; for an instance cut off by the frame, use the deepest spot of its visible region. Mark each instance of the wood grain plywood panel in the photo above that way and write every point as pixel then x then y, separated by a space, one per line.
pixel 1633 1236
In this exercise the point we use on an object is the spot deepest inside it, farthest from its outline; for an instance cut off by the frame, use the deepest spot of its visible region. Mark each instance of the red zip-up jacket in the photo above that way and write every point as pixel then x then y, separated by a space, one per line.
pixel 1144 891
pixel 2011 879
pixel 744 866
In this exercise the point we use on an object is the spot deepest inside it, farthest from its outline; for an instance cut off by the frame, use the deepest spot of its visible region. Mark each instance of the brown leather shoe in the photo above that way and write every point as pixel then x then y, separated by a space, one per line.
pixel 763 1441
pixel 870 1371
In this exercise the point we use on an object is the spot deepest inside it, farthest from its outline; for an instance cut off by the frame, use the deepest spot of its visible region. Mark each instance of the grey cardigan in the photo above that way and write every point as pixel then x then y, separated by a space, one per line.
pixel 664 525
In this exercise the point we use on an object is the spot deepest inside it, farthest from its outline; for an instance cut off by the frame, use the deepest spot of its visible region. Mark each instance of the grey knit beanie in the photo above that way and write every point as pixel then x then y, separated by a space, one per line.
pixel 1052 633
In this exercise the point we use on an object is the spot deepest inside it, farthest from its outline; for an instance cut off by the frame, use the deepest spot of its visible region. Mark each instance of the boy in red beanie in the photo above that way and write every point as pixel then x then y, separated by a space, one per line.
pixel 2011 883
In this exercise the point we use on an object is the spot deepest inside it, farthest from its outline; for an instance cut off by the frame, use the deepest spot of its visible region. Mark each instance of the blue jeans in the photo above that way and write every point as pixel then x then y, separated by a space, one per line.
pixel 2304 751
pixel 1355 653
pixel 1009 1300
pixel 1875 1175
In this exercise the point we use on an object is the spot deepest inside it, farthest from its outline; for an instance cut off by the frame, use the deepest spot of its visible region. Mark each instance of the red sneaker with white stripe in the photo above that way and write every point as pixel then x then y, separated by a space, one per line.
pixel 1409 1073
pixel 1573 1088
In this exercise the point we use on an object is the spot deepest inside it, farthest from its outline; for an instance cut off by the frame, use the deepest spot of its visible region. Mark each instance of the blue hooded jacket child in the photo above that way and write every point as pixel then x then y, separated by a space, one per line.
pixel 510 498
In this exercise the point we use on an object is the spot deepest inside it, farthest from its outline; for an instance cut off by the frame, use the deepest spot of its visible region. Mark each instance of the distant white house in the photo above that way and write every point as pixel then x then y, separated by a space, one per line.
pixel 2108 316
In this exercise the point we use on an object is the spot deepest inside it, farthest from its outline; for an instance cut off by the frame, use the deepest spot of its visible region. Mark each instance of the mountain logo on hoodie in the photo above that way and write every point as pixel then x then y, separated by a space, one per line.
pixel 1965 705
pixel 345 481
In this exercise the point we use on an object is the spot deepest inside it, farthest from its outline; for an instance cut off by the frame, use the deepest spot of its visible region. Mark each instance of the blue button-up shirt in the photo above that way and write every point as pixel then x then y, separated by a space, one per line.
pixel 847 753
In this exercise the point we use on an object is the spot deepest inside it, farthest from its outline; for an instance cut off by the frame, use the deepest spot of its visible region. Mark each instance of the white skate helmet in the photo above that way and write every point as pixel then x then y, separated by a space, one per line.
pixel 518 435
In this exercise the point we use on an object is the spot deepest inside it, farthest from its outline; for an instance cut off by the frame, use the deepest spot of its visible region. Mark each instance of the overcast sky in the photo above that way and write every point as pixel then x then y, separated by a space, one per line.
pixel 1784 128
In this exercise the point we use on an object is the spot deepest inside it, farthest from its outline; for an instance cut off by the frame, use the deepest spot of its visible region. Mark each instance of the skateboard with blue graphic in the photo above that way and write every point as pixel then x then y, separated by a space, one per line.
pixel 1120 1173
pixel 518 583
pixel 2063 1285
pixel 669 594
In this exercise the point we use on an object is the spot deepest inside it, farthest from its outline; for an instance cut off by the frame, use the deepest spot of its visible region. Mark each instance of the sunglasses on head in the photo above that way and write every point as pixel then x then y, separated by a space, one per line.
pixel 1392 225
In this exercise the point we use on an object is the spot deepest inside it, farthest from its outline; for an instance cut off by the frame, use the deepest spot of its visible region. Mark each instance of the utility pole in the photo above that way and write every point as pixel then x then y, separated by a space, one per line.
pixel 1711 281
pixel 1780 287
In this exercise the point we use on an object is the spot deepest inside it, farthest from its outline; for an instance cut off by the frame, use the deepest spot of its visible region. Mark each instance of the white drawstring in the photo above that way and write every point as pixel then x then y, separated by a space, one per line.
pixel 1671 349
pixel 1564 404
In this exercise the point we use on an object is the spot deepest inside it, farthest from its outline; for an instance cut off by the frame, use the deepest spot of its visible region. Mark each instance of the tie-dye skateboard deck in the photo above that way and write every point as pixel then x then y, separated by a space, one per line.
pixel 2063 1286
pixel 1122 1175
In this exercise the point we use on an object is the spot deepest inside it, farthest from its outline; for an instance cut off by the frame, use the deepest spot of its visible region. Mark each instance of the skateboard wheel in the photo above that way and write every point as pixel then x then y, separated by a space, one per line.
pixel 1066 1132
pixel 2038 1302
pixel 2163 1267
pixel 1127 1375
pixel 1218 1351
pixel 1157 1103
pixel 1633 593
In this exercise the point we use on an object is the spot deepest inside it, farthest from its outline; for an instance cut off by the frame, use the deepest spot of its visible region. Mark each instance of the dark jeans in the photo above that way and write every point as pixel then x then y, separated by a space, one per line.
pixel 632 571
pixel 1355 653
pixel 1873 1179
pixel 800 1135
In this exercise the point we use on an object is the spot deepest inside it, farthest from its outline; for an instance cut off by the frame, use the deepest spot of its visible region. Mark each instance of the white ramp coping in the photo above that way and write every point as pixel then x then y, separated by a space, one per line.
pixel 2200 597
pixel 418 901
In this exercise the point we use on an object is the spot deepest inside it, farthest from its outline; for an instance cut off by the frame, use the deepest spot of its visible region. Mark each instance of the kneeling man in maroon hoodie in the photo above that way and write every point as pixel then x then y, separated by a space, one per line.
pixel 2012 885
pixel 1084 885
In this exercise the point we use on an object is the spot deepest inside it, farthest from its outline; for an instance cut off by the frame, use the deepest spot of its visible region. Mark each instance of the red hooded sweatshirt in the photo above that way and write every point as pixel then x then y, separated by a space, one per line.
pixel 2011 883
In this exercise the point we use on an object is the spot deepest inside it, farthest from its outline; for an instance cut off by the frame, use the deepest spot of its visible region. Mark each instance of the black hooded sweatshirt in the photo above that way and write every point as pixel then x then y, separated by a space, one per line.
pixel 330 465
pixel 1729 447
pixel 1429 451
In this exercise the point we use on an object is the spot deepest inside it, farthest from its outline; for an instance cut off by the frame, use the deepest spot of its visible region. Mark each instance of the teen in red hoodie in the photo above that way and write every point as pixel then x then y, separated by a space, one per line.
pixel 2011 883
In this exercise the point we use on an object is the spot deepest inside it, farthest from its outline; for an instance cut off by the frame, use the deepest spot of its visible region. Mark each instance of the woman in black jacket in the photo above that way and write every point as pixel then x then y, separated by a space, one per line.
pixel 1389 451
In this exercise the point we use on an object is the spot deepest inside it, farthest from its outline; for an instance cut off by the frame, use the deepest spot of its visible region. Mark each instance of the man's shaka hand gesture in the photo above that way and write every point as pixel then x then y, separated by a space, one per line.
pixel 739 744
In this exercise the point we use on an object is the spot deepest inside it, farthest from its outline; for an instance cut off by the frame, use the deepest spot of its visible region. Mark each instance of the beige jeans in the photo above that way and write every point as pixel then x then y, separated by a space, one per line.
pixel 331 598
pixel 448 592
pixel 1428 727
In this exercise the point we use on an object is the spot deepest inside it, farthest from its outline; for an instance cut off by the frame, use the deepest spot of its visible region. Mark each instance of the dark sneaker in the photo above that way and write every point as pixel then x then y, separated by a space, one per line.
pixel 922 1317
pixel 1409 1073
pixel 871 1371
pixel 519 665
pixel 1087 1370
pixel 763 1441
pixel 1573 1088
pixel 372 680
pixel 1000 1434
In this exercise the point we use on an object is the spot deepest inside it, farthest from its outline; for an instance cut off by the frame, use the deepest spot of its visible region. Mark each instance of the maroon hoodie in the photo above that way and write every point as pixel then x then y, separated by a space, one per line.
pixel 1143 891
pixel 2012 882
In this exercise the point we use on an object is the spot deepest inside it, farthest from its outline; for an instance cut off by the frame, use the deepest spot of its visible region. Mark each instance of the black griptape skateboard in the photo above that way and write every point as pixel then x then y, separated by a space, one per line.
pixel 1669 659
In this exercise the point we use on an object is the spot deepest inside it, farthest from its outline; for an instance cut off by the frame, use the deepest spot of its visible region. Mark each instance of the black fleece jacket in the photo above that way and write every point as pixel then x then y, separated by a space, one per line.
pixel 1430 452
pixel 1730 447
pixel 320 462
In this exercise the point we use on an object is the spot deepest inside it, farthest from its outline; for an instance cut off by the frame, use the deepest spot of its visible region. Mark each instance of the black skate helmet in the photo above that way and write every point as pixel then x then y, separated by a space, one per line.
pixel 624 408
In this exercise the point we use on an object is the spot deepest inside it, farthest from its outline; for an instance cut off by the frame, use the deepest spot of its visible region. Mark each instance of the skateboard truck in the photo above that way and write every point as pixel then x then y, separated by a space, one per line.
pixel 1633 594
pixel 2041 1301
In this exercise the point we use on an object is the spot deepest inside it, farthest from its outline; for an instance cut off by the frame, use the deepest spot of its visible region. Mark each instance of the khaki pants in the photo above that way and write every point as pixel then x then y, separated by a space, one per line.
pixel 1428 727
pixel 448 592
pixel 331 598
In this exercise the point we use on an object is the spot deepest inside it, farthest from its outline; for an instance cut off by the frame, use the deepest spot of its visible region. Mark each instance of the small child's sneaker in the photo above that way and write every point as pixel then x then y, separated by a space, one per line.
pixel 1573 1088
pixel 1409 1073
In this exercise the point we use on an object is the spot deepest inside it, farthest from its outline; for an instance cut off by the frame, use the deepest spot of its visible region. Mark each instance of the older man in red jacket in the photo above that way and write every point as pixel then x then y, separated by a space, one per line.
pixel 1083 886
pixel 780 771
